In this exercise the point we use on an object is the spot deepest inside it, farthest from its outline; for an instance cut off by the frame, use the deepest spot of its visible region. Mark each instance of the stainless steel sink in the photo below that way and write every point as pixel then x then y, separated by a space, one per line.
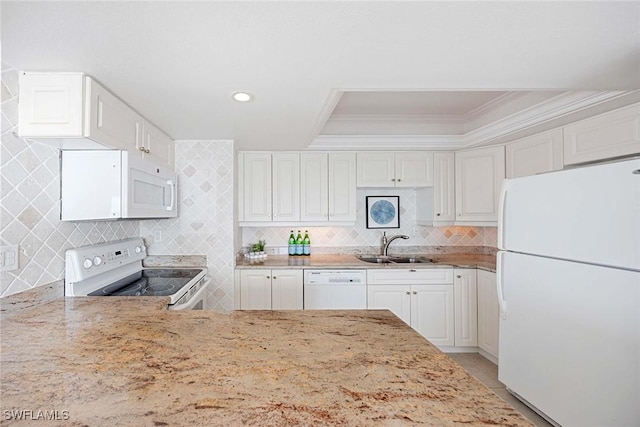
pixel 410 260
pixel 394 259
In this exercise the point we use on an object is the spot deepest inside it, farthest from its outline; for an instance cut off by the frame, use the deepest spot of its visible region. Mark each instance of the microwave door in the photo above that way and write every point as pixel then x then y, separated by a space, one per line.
pixel 150 191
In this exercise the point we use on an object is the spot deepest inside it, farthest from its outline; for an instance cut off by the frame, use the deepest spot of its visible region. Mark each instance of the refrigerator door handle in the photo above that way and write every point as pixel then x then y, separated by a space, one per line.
pixel 501 302
pixel 501 212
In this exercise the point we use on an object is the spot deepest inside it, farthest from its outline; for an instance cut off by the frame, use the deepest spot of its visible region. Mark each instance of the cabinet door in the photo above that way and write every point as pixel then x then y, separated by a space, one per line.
pixel 51 104
pixel 479 176
pixel 414 169
pixel 286 290
pixel 396 298
pixel 160 147
pixel 612 134
pixel 314 194
pixel 286 187
pixel 375 169
pixel 444 202
pixel 256 186
pixel 432 313
pixel 488 312
pixel 465 297
pixel 111 121
pixel 255 290
pixel 535 154
pixel 342 187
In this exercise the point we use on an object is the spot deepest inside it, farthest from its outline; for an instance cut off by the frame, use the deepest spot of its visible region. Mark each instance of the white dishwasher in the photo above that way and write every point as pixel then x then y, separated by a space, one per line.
pixel 335 289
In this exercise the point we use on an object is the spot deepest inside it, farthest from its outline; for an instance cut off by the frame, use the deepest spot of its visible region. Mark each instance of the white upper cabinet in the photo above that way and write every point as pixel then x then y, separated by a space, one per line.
pixel 256 186
pixel 111 121
pixel 328 187
pixel 286 187
pixel 77 112
pixel 613 134
pixel 156 145
pixel 342 187
pixel 444 202
pixel 388 169
pixel 297 187
pixel 479 175
pixel 314 187
pixel 535 154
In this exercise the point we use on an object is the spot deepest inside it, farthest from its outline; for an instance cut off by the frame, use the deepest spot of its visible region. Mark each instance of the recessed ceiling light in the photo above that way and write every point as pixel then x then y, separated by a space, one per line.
pixel 242 96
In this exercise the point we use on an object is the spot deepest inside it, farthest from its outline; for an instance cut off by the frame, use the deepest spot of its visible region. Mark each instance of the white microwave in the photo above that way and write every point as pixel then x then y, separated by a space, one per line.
pixel 114 184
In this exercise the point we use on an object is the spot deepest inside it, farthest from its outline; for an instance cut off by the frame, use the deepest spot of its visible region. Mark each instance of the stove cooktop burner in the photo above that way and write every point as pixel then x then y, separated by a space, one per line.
pixel 150 282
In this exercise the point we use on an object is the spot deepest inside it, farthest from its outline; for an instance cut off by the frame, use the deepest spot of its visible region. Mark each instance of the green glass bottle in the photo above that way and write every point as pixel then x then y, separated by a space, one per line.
pixel 292 244
pixel 299 243
pixel 306 244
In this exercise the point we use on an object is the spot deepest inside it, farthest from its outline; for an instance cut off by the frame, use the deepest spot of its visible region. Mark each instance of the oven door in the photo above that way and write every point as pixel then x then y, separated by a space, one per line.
pixel 148 190
pixel 197 302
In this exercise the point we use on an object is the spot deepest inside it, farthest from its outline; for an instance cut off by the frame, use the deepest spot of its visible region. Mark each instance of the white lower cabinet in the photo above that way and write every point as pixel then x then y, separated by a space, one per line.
pixel 488 313
pixel 421 298
pixel 465 297
pixel 266 289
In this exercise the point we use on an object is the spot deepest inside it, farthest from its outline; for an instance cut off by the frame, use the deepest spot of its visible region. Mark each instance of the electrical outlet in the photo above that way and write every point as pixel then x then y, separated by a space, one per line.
pixel 157 235
pixel 9 258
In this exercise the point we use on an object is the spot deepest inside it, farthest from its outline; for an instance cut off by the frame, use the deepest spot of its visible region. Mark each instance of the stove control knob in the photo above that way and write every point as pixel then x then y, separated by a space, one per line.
pixel 138 249
pixel 87 263
pixel 97 261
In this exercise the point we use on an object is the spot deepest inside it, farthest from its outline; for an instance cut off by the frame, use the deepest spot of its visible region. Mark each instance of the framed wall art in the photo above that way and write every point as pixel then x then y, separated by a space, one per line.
pixel 383 211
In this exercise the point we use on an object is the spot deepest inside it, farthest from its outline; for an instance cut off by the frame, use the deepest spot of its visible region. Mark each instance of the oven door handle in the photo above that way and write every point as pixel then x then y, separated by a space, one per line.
pixel 188 305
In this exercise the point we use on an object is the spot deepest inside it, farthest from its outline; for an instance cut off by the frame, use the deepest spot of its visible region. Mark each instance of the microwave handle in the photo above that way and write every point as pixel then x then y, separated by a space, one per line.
pixel 173 195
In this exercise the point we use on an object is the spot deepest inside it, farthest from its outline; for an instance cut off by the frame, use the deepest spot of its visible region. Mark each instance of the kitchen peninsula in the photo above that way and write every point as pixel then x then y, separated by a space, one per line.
pixel 123 361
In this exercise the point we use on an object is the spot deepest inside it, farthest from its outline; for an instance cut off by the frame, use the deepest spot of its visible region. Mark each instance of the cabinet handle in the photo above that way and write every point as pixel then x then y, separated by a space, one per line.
pixel 268 277
pixel 141 149
pixel 412 271
pixel 274 277
pixel 399 179
pixel 393 180
pixel 146 150
pixel 437 214
pixel 459 214
pixel 415 292
pixel 459 276
pixel 408 293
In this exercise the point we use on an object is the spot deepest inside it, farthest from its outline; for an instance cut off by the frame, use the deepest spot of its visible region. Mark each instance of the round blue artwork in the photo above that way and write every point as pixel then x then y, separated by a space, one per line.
pixel 383 212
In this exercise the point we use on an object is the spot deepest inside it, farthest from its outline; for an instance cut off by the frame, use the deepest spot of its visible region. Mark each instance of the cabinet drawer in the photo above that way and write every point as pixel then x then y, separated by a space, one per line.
pixel 435 276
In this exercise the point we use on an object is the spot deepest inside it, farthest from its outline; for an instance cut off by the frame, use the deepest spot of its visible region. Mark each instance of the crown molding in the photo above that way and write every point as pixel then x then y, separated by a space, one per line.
pixel 386 142
pixel 554 108
pixel 492 105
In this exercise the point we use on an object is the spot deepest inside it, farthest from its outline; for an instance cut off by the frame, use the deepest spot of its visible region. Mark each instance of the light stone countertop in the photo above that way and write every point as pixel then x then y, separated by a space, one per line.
pixel 124 361
pixel 347 261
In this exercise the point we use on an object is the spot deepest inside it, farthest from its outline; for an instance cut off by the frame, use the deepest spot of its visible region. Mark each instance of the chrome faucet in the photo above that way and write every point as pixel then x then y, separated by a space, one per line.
pixel 386 242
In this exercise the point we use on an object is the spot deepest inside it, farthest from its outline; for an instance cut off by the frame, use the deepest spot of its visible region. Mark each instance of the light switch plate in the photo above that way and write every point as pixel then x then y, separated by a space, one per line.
pixel 9 258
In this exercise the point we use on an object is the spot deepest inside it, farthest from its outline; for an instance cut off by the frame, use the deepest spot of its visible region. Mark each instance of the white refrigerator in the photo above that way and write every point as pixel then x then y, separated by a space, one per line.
pixel 569 291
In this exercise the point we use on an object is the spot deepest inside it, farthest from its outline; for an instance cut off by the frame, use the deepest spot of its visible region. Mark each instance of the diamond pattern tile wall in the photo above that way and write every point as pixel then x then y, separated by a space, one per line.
pixel 205 224
pixel 29 209
pixel 360 235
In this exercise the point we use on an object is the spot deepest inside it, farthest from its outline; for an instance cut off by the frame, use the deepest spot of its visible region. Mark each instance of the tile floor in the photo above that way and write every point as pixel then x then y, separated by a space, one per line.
pixel 487 373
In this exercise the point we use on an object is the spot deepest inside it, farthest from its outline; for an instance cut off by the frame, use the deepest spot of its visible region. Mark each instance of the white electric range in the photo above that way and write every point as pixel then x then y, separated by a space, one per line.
pixel 115 269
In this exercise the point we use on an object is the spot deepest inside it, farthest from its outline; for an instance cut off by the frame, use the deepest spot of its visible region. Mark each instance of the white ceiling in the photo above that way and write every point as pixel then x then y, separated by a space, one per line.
pixel 179 62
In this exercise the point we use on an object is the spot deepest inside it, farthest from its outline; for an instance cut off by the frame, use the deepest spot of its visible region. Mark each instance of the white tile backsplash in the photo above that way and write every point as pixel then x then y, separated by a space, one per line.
pixel 360 235
pixel 205 224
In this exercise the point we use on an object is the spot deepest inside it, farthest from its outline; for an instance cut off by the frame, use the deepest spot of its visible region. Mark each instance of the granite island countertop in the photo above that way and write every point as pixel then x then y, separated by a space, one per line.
pixel 123 361
pixel 347 261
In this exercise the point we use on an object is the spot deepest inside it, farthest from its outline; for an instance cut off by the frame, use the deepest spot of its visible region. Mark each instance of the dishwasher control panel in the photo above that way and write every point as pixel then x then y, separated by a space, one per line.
pixel 335 277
